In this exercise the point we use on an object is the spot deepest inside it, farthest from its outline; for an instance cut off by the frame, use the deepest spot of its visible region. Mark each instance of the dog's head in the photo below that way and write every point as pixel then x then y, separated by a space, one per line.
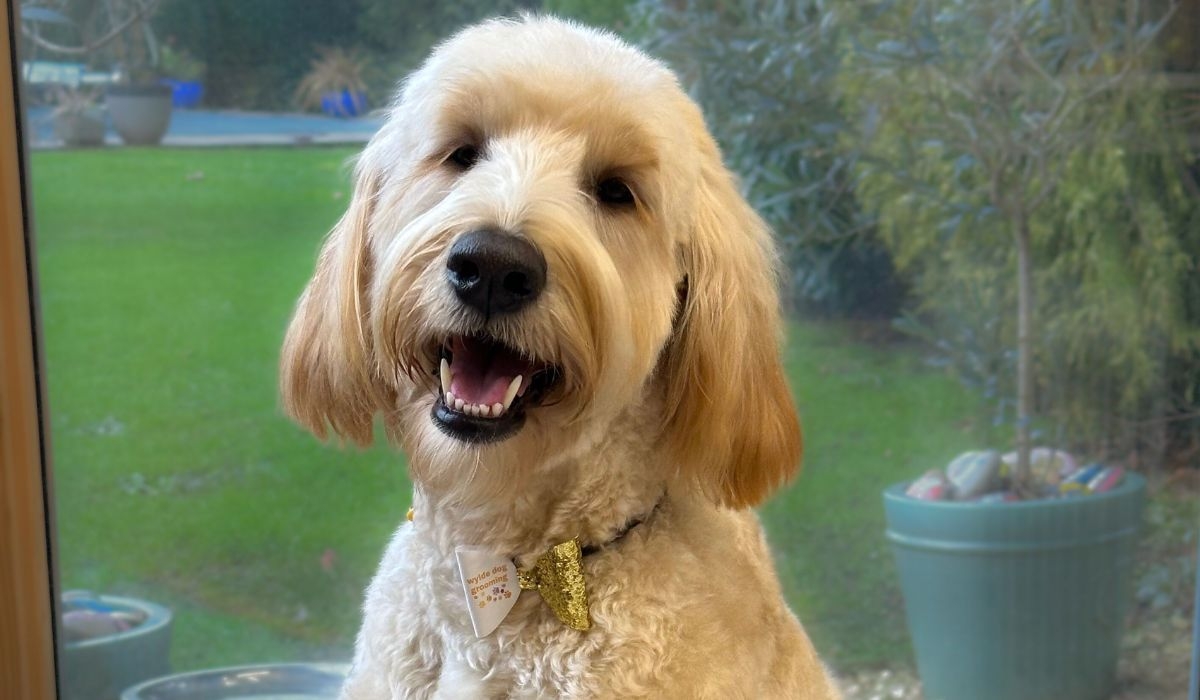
pixel 543 237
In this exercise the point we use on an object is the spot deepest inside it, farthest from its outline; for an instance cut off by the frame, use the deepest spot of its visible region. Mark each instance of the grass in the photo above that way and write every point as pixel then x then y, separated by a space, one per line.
pixel 167 277
pixel 166 281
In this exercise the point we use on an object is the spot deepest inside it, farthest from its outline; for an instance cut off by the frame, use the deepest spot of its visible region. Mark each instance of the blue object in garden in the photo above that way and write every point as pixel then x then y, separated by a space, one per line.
pixel 185 94
pixel 344 104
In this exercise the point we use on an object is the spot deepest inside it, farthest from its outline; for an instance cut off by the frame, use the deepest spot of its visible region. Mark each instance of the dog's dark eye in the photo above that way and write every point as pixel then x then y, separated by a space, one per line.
pixel 614 192
pixel 464 157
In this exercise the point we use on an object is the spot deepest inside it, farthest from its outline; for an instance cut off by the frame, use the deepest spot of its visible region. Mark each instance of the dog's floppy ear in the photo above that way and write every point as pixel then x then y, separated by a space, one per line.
pixel 325 374
pixel 730 415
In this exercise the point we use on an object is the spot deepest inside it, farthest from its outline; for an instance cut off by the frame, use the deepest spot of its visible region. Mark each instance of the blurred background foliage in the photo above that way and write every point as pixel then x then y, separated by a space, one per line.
pixel 892 143
pixel 869 135
pixel 257 52
pixel 980 119
pixel 766 74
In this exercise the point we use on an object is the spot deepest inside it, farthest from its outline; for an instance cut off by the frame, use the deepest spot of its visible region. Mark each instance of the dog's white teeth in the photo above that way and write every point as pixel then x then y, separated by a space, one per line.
pixel 446 376
pixel 513 387
pixel 475 409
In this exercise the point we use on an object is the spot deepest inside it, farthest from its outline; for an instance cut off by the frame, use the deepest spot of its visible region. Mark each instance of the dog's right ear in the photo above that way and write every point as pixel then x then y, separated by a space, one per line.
pixel 325 376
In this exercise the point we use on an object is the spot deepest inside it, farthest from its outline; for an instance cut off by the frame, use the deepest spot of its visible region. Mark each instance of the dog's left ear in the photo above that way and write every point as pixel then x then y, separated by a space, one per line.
pixel 730 415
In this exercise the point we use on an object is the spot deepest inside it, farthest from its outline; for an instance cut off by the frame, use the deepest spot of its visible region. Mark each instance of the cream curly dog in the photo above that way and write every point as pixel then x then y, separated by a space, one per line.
pixel 549 290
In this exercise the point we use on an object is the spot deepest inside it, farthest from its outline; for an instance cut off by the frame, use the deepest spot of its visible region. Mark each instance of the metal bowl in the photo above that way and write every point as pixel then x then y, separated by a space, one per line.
pixel 260 682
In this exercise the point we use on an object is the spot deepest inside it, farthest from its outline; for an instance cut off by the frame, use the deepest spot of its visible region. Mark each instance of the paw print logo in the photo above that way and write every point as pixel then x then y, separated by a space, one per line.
pixel 497 591
pixel 507 594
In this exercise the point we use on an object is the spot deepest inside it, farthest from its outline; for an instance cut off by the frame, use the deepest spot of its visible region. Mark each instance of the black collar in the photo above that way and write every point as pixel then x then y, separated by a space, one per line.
pixel 594 548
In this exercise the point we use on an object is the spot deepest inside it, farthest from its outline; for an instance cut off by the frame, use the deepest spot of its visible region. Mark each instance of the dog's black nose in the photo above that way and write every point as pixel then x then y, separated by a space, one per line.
pixel 495 272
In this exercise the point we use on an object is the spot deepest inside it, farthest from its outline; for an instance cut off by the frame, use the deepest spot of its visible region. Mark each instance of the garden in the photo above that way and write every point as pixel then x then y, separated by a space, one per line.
pixel 990 218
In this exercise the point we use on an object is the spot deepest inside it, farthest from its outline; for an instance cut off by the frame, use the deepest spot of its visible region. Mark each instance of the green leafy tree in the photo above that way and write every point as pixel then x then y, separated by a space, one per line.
pixel 1024 180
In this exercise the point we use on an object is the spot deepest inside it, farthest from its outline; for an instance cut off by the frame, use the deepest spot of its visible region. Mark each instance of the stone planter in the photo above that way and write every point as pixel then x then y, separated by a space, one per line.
pixel 140 113
pixel 80 127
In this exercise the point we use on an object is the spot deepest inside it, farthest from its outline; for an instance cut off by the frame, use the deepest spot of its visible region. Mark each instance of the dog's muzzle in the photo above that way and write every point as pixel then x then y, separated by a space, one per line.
pixel 486 385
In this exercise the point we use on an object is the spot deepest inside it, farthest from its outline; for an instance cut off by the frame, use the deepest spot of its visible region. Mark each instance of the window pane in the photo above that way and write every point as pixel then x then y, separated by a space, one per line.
pixel 986 218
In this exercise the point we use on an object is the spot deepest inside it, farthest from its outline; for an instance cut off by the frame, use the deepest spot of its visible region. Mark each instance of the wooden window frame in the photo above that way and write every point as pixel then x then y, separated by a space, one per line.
pixel 26 519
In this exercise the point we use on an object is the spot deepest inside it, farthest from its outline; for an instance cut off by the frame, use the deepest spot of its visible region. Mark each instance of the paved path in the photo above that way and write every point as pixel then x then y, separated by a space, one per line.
pixel 202 127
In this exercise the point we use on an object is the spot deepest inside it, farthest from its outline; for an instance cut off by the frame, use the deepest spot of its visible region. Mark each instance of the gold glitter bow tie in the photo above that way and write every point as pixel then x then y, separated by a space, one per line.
pixel 558 576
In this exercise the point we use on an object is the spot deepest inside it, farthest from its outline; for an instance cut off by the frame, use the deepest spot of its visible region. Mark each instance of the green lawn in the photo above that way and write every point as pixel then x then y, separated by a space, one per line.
pixel 167 277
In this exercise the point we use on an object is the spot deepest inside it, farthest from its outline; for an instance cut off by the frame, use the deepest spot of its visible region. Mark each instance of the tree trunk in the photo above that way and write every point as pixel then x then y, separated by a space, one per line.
pixel 1024 351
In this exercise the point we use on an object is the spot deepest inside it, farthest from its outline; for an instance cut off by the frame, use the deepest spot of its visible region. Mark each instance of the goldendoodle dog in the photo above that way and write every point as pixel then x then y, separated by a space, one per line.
pixel 549 292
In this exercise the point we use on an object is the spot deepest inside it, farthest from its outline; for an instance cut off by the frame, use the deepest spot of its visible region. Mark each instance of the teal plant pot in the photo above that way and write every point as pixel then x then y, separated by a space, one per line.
pixel 100 668
pixel 1016 601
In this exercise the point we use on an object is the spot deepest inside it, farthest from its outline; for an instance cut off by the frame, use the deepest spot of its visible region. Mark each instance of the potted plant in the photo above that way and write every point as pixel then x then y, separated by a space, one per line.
pixel 78 119
pixel 185 74
pixel 334 83
pixel 108 643
pixel 995 108
pixel 120 31
pixel 139 104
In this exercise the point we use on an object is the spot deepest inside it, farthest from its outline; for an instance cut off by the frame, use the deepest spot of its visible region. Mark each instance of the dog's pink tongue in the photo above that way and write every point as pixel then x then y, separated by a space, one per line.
pixel 482 371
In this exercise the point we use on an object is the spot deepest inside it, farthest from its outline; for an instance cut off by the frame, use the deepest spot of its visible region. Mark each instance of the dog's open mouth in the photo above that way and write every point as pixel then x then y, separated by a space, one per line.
pixel 485 388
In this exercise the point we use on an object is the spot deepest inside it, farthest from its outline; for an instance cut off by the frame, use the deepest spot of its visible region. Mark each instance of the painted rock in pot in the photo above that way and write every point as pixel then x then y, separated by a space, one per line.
pixel 972 474
pixel 932 486
pixel 88 624
pixel 1107 479
pixel 1047 464
pixel 1079 480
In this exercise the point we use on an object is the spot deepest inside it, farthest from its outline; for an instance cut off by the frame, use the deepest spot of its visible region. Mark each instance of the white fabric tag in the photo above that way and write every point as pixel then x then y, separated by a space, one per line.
pixel 490 585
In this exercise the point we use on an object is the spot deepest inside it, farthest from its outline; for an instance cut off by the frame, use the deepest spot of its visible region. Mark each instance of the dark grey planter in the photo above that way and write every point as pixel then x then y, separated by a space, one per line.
pixel 140 113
